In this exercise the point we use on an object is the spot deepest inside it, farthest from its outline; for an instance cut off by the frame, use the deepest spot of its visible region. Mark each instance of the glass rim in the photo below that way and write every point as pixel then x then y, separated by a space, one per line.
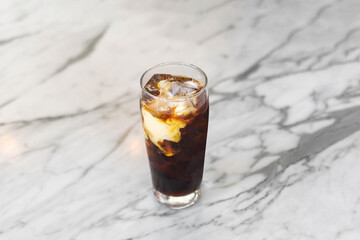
pixel 174 63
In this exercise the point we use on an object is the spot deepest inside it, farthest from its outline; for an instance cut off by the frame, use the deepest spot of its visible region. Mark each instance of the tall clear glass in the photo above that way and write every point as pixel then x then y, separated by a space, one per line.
pixel 175 110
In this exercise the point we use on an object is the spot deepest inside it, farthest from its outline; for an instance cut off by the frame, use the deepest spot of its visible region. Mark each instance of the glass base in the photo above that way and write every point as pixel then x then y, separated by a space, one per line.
pixel 177 202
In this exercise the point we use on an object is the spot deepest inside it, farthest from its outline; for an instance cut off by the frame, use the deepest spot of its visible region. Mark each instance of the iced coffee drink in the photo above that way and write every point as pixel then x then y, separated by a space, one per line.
pixel 175 110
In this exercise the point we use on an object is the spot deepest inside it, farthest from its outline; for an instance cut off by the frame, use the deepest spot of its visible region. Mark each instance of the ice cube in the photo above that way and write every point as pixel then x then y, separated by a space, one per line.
pixel 168 86
pixel 152 89
pixel 164 87
pixel 184 88
pixel 184 109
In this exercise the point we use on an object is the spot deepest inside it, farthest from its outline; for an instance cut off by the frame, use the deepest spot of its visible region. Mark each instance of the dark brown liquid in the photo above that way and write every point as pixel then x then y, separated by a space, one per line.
pixel 181 173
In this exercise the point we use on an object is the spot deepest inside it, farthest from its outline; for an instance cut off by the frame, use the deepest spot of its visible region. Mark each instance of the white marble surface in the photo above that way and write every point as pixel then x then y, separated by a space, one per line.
pixel 284 141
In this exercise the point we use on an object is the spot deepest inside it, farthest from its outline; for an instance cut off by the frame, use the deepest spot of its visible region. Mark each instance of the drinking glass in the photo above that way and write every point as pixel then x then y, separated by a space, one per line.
pixel 175 129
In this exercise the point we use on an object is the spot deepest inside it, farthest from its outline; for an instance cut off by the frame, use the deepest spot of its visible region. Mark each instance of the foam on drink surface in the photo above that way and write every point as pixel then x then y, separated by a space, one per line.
pixel 164 116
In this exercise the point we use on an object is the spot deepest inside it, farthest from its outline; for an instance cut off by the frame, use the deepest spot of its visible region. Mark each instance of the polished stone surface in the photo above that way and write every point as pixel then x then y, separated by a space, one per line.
pixel 284 141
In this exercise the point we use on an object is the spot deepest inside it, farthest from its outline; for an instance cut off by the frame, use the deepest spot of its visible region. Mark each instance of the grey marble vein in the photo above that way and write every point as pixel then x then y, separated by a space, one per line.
pixel 12 39
pixel 90 46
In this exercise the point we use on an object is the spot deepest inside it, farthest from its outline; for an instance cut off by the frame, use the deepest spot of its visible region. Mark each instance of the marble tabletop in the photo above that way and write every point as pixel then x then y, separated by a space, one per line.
pixel 283 149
